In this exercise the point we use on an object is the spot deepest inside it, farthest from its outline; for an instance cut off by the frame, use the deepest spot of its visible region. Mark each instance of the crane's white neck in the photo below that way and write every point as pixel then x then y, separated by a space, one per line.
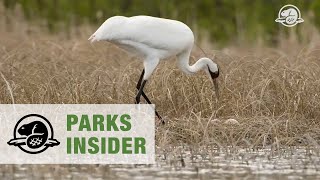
pixel 206 64
pixel 201 64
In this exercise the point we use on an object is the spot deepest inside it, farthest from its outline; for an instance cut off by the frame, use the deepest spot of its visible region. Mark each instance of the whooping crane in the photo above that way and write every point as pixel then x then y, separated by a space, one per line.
pixel 154 39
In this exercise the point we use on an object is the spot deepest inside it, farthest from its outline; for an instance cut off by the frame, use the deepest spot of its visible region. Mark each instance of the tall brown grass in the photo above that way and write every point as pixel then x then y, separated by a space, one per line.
pixel 273 93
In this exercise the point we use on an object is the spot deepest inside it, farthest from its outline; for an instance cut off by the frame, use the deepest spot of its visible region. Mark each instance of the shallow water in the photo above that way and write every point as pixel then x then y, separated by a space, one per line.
pixel 189 163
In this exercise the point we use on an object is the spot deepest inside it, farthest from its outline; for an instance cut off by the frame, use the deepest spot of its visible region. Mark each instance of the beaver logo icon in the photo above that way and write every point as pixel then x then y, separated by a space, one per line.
pixel 33 134
pixel 289 16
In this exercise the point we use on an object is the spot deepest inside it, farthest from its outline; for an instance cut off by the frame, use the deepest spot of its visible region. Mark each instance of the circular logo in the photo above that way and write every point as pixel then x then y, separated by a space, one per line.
pixel 33 134
pixel 289 16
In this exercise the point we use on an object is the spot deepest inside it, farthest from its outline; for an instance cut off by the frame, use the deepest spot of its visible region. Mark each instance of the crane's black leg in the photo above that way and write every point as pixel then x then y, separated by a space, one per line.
pixel 140 92
pixel 138 87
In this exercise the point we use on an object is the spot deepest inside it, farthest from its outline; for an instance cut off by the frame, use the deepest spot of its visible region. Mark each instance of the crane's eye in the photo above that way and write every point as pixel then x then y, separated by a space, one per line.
pixel 22 127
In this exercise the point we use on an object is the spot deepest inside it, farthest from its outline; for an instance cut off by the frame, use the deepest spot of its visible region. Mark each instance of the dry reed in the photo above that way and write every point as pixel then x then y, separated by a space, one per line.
pixel 273 93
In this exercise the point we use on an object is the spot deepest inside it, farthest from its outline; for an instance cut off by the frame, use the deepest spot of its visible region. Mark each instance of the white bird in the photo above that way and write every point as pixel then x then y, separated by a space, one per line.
pixel 154 39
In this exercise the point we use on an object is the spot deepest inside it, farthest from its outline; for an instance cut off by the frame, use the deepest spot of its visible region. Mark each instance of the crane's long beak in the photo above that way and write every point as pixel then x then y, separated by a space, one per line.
pixel 216 88
pixel 214 76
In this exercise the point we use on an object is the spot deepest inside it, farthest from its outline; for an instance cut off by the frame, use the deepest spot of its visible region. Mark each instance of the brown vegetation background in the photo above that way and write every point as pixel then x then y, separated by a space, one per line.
pixel 272 93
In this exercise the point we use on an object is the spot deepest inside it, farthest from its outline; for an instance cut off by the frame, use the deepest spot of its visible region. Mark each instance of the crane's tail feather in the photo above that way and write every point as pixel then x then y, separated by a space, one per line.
pixel 92 38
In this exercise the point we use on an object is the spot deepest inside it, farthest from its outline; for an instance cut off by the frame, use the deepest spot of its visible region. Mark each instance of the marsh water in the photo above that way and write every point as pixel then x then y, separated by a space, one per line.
pixel 188 163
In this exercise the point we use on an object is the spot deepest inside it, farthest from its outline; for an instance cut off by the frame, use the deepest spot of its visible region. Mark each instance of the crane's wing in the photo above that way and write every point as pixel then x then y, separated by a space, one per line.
pixel 153 32
pixel 158 32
